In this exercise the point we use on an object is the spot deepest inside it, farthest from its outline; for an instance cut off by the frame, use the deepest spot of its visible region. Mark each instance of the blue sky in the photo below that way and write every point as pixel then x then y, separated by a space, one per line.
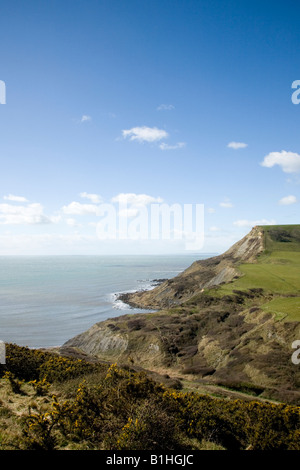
pixel 184 102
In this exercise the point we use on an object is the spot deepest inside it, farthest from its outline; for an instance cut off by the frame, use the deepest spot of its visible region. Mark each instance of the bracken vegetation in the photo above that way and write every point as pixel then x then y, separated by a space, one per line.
pixel 49 402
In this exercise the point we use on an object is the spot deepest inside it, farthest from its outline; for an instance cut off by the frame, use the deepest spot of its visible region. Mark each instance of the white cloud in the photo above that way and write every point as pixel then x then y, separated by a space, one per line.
pixel 12 197
pixel 214 229
pixel 237 145
pixel 95 198
pixel 226 204
pixel 133 200
pixel 287 200
pixel 85 118
pixel 136 202
pixel 76 208
pixel 288 161
pixel 55 219
pixel 164 146
pixel 252 223
pixel 32 214
pixel 73 223
pixel 136 199
pixel 165 107
pixel 211 210
pixel 145 134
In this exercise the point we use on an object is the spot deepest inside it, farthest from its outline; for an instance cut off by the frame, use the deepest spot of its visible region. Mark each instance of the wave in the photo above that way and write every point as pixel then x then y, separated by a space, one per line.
pixel 118 304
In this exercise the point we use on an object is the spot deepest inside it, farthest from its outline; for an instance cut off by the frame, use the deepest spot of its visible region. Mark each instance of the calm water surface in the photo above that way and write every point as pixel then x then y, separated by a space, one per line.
pixel 44 301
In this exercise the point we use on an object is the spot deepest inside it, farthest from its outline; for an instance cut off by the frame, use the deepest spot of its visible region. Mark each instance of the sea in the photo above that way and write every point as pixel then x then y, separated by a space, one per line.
pixel 46 300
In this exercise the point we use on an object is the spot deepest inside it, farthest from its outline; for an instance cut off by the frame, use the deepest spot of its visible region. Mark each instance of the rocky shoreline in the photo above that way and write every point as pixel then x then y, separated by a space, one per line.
pixel 125 297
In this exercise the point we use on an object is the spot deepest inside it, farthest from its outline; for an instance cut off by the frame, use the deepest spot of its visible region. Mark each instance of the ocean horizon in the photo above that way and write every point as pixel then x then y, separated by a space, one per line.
pixel 46 300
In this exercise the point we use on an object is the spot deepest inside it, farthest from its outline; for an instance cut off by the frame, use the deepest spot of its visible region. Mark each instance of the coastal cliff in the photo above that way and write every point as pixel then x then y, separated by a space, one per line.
pixel 227 321
pixel 200 275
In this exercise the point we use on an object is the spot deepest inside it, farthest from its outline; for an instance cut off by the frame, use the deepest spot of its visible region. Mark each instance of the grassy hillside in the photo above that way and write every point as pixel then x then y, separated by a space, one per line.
pixel 277 272
pixel 282 237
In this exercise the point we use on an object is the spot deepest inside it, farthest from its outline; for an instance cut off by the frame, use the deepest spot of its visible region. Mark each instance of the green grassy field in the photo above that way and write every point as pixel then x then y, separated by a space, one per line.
pixel 284 308
pixel 277 272
pixel 282 237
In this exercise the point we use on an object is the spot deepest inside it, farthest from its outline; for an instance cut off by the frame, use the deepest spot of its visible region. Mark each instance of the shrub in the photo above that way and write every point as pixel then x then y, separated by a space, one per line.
pixel 152 428
pixel 41 387
pixel 60 369
pixel 16 384
pixel 23 362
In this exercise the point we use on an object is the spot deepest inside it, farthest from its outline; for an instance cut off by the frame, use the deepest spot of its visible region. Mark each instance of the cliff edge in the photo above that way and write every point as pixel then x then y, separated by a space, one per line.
pixel 200 275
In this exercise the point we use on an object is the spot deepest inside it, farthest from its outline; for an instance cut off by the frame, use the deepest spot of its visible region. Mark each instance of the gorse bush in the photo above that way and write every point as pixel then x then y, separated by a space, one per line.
pixel 24 363
pixel 151 428
pixel 38 430
pixel 60 369
pixel 115 408
pixel 236 424
pixel 32 364
pixel 16 384
pixel 41 387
